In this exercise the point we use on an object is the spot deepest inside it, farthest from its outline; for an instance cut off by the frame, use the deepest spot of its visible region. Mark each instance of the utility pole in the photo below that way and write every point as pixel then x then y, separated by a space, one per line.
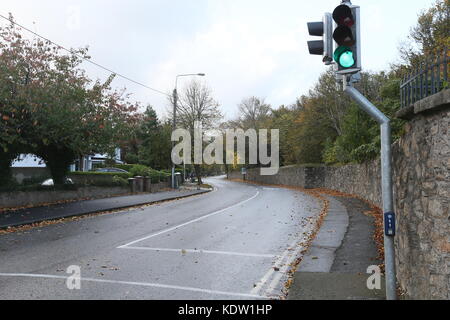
pixel 174 124
pixel 174 127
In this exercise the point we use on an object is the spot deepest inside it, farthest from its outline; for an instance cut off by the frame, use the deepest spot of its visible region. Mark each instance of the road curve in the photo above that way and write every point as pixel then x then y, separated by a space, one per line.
pixel 234 243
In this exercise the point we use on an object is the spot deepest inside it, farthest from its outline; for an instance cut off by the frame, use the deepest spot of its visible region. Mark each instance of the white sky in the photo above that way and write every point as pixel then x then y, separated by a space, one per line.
pixel 246 47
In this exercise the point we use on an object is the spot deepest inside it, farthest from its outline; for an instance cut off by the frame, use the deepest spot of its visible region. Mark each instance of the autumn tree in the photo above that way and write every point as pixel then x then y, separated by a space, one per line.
pixel 430 36
pixel 50 108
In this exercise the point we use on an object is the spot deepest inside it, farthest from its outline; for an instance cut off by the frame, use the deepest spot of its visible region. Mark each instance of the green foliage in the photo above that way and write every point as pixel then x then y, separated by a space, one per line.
pixel 50 108
pixel 140 171
pixel 330 153
pixel 429 36
pixel 126 167
pixel 155 175
pixel 102 174
pixel 148 142
pixel 120 181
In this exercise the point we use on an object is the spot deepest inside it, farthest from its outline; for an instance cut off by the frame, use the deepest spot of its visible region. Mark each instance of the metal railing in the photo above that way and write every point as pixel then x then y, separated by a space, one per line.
pixel 426 79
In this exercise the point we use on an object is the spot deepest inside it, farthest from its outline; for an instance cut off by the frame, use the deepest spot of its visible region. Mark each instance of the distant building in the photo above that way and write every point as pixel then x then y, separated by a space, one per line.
pixel 88 163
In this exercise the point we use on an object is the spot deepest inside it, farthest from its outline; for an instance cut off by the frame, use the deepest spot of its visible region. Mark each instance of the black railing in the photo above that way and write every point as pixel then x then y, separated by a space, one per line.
pixel 427 79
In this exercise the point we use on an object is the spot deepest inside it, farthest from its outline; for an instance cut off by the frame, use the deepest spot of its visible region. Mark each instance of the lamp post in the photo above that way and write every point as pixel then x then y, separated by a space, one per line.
pixel 175 107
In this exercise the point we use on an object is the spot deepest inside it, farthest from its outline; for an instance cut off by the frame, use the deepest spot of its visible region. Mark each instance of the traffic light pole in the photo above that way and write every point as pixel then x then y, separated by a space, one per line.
pixel 387 186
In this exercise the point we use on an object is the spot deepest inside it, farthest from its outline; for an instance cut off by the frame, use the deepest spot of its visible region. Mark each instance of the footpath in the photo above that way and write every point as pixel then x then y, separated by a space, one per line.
pixel 17 218
pixel 335 266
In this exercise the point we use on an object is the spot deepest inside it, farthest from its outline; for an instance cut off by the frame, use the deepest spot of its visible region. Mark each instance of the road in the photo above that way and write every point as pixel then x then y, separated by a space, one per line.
pixel 236 242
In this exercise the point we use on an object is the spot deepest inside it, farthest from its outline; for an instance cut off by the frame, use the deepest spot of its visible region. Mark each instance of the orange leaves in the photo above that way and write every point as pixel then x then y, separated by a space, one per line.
pixel 5 118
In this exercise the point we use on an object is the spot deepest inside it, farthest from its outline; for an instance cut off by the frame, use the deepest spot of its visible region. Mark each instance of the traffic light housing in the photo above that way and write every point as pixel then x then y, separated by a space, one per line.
pixel 347 38
pixel 322 47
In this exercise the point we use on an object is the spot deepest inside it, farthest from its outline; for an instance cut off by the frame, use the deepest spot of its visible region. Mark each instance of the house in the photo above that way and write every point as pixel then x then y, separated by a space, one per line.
pixel 90 162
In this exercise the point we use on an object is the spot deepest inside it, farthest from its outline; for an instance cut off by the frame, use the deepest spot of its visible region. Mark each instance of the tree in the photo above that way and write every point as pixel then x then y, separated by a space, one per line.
pixel 253 112
pixel 155 150
pixel 196 104
pixel 51 108
pixel 430 36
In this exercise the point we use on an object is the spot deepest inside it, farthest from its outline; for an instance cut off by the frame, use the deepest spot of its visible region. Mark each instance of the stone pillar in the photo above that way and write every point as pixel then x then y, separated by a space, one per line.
pixel 139 184
pixel 132 184
pixel 147 184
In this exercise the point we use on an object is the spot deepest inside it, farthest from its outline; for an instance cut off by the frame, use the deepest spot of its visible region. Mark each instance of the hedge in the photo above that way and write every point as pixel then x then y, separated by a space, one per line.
pixel 110 174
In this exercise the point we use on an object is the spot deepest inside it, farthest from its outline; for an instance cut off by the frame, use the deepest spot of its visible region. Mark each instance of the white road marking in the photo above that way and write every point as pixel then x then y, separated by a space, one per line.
pixel 290 255
pixel 277 278
pixel 189 222
pixel 268 275
pixel 228 253
pixel 141 284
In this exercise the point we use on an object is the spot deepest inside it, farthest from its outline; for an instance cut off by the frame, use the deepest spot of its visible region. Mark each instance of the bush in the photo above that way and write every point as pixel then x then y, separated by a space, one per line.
pixel 140 171
pixel 126 167
pixel 120 182
pixel 111 174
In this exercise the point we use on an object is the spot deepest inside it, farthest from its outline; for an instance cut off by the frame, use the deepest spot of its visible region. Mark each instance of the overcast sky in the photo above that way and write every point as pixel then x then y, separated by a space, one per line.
pixel 246 47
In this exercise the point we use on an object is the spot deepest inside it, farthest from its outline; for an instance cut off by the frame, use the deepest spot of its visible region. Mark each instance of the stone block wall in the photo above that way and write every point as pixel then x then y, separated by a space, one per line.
pixel 422 180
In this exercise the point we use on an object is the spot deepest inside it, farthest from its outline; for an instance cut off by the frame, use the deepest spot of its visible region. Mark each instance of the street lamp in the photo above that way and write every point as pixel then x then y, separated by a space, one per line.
pixel 175 107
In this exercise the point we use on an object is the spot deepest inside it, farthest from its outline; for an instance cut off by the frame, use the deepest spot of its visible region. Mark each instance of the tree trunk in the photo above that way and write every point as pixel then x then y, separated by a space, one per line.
pixel 5 169
pixel 58 161
pixel 198 174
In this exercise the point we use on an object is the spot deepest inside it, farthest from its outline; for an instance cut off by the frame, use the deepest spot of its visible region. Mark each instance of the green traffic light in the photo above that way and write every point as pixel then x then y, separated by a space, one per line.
pixel 345 57
pixel 347 60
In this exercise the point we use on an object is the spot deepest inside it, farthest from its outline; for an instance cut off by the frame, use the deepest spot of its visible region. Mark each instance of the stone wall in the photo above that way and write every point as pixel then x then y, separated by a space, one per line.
pixel 422 194
pixel 422 180
pixel 36 198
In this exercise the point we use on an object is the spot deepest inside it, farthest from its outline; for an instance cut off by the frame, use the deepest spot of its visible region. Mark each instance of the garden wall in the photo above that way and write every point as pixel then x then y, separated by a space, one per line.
pixel 36 198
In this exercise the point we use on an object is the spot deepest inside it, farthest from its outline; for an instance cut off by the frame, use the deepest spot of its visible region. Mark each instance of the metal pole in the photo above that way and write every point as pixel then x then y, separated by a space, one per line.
pixel 387 187
pixel 174 127
pixel 175 107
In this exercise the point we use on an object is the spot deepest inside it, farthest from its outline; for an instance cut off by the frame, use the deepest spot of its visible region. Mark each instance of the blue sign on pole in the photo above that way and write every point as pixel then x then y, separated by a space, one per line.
pixel 389 224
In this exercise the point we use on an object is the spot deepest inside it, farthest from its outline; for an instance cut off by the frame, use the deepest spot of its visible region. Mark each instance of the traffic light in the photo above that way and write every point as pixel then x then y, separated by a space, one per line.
pixel 322 47
pixel 347 37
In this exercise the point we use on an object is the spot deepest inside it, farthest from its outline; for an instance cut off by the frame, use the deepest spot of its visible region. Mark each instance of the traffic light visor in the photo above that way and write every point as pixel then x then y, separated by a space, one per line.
pixel 343 16
pixel 316 47
pixel 316 28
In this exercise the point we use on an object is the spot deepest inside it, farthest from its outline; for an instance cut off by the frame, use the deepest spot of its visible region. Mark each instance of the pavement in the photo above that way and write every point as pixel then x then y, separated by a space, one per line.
pixel 336 264
pixel 236 242
pixel 34 215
